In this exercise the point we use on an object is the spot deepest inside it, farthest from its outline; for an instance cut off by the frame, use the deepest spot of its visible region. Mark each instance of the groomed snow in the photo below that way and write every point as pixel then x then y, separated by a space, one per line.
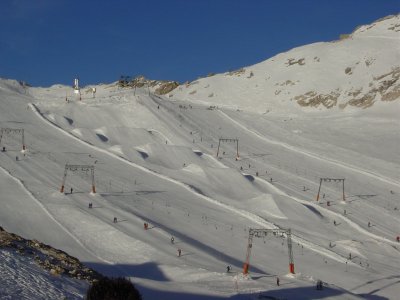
pixel 156 162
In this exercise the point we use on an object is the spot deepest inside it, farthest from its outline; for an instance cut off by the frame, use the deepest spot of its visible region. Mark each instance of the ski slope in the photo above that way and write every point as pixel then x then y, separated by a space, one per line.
pixel 155 161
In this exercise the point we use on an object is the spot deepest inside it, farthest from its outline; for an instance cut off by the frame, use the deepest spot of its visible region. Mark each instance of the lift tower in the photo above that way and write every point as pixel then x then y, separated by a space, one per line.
pixel 229 140
pixel 76 168
pixel 259 233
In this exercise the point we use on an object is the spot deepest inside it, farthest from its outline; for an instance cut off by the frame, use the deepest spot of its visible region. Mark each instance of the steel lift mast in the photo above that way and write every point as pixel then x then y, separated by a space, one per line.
pixel 229 140
pixel 74 168
pixel 12 130
pixel 259 233
pixel 329 180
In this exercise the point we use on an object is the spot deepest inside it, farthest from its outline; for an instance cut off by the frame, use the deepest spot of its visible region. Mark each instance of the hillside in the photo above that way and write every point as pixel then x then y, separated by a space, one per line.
pixel 155 161
pixel 359 71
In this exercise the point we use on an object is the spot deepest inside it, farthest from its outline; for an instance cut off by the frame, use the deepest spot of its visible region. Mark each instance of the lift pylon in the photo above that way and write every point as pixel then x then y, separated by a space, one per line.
pixel 229 140
pixel 329 180
pixel 82 168
pixel 263 233
pixel 8 131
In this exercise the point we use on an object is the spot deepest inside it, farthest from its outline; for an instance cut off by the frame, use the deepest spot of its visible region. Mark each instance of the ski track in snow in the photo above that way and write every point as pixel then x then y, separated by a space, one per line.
pixel 313 155
pixel 330 212
pixel 51 216
pixel 252 217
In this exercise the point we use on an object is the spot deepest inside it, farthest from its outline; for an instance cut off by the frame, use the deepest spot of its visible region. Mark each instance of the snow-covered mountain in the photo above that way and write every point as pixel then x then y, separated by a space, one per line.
pixel 360 70
pixel 155 161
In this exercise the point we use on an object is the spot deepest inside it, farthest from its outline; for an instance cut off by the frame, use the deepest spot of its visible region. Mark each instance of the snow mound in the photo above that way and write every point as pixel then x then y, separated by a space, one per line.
pixel 265 205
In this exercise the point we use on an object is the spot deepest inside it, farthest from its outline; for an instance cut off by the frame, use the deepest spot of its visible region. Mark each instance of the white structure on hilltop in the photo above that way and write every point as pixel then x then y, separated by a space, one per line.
pixel 76 86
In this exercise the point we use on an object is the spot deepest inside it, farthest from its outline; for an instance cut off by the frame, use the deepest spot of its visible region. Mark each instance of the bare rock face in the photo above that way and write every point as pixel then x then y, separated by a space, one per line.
pixel 166 87
pixel 313 99
pixel 162 87
pixel 385 87
pixel 55 261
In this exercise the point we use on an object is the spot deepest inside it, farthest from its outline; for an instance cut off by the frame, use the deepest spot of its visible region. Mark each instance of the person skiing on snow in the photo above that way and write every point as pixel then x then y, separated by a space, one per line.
pixel 228 268
pixel 179 252
pixel 172 239
pixel 277 281
pixel 72 190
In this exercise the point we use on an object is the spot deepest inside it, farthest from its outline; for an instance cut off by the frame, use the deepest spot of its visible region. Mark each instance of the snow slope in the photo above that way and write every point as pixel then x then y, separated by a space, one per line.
pixel 359 71
pixel 21 278
pixel 155 161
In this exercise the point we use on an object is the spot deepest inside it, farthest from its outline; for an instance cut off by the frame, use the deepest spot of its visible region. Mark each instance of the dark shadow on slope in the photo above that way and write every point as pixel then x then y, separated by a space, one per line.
pixel 370 295
pixel 249 177
pixel 375 281
pixel 308 292
pixel 144 155
pixel 102 137
pixel 197 244
pixel 152 271
pixel 69 120
pixel 314 210
pixel 196 189
pixel 148 192
pixel 198 153
pixel 148 270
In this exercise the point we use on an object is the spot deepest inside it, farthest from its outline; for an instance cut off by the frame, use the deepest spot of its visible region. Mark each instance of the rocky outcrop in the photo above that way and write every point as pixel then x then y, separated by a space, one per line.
pixel 166 87
pixel 313 99
pixel 161 87
pixel 55 261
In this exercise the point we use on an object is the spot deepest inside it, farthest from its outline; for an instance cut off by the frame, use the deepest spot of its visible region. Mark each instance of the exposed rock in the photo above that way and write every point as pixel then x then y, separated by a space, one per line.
pixel 348 71
pixel 313 99
pixel 293 61
pixel 54 260
pixel 237 72
pixel 166 87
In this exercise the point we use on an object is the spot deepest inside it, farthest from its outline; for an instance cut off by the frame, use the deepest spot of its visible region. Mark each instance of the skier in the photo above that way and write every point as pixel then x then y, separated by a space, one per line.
pixel 228 268
pixel 16 158
pixel 350 256
pixel 115 220
pixel 334 222
pixel 172 239
pixel 72 190
pixel 344 212
pixel 277 281
pixel 179 252
pixel 90 205
pixel 256 173
pixel 398 238
pixel 241 168
pixel 369 224
pixel 145 225
pixel 4 149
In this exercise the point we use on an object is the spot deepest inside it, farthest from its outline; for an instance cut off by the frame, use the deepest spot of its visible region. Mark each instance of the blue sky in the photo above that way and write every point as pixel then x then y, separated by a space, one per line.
pixel 45 42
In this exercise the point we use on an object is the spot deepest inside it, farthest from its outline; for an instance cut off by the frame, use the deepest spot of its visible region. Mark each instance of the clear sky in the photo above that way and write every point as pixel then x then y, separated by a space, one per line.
pixel 44 42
